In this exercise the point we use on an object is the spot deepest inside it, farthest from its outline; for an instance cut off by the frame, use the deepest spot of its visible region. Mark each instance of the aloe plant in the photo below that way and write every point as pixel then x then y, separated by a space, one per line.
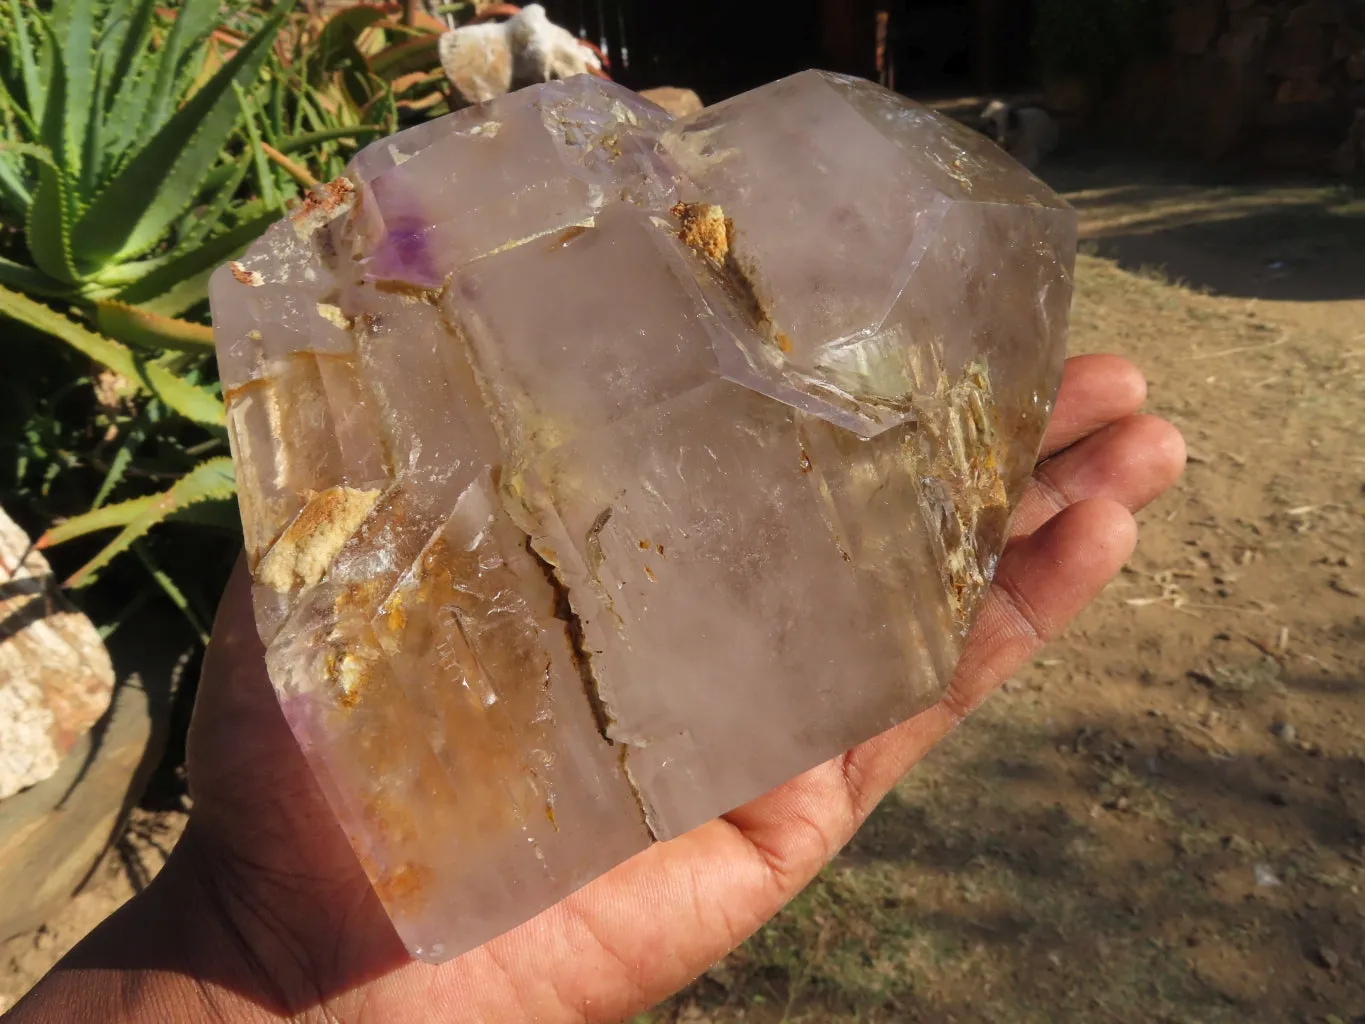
pixel 140 147
pixel 113 165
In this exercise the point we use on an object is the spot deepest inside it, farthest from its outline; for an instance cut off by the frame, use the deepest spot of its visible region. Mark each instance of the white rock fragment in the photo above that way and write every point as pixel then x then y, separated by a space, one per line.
pixel 491 59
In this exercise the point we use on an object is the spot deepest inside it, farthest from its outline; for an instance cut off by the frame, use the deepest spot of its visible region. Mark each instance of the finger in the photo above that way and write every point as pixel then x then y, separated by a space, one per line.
pixel 1040 586
pixel 1095 390
pixel 1130 462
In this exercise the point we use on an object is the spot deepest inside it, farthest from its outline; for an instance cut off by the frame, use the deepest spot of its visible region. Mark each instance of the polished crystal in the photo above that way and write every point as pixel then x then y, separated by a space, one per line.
pixel 601 471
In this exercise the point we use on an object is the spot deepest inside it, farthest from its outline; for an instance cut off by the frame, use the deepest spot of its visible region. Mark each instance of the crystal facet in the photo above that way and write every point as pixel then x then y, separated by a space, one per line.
pixel 601 471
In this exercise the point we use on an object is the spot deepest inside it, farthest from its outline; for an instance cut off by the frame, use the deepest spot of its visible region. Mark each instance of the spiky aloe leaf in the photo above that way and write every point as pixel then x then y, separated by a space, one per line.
pixel 189 400
pixel 193 21
pixel 172 591
pixel 265 177
pixel 211 480
pixel 92 143
pixel 133 46
pixel 13 180
pixel 40 153
pixel 160 290
pixel 29 71
pixel 152 331
pixel 48 230
pixel 74 52
pixel 106 517
pixel 124 220
pixel 14 191
pixel 220 512
pixel 202 224
pixel 120 127
pixel 30 280
pixel 17 115
pixel 133 439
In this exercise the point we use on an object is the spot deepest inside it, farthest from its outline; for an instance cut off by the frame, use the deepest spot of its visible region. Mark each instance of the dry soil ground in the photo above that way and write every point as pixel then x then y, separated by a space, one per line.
pixel 1163 818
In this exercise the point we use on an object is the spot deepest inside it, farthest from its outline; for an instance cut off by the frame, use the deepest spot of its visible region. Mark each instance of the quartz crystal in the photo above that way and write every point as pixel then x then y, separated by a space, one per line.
pixel 600 471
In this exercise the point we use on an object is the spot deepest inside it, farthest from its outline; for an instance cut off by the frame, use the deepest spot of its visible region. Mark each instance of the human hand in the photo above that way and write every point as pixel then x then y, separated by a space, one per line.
pixel 297 930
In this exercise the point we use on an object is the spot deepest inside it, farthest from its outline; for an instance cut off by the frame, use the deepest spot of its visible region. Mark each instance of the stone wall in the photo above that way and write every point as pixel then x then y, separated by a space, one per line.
pixel 1277 82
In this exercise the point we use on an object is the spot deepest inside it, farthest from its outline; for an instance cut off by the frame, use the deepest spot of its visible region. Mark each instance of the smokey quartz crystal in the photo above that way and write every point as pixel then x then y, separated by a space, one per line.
pixel 601 471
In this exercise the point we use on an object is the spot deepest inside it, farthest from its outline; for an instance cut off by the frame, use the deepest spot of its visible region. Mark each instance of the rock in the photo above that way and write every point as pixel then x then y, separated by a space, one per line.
pixel 55 675
pixel 1193 26
pixel 1264 876
pixel 1327 958
pixel 1029 134
pixel 1301 51
pixel 678 102
pixel 1293 91
pixel 52 834
pixel 491 59
pixel 694 441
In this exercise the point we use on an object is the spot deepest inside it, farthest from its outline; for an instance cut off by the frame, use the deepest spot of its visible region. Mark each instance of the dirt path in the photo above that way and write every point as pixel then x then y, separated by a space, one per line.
pixel 1163 818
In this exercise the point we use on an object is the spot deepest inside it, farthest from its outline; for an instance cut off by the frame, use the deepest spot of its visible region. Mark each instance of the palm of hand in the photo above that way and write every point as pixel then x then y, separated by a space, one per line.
pixel 306 921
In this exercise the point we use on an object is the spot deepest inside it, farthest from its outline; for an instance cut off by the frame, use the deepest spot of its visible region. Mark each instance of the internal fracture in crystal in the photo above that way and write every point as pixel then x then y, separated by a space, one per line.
pixel 601 471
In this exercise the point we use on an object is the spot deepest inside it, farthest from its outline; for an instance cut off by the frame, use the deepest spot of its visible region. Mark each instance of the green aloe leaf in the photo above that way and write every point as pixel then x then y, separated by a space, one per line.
pixel 148 292
pixel 124 220
pixel 11 89
pixel 152 331
pixel 106 517
pixel 92 143
pixel 133 439
pixel 74 52
pixel 209 481
pixel 28 63
pixel 172 591
pixel 133 47
pixel 14 191
pixel 120 128
pixel 265 175
pixel 30 280
pixel 189 400
pixel 40 153
pixel 193 20
pixel 48 229
pixel 204 223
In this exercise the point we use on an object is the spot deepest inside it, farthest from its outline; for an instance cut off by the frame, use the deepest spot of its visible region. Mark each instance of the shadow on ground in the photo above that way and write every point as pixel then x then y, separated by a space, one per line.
pixel 1301 243
pixel 1126 875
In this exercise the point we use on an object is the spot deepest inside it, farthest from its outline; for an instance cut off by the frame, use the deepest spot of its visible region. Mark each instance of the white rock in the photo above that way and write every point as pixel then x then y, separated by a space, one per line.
pixel 55 675
pixel 492 59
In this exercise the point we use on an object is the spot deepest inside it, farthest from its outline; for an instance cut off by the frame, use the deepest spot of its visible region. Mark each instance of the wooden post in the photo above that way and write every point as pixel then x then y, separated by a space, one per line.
pixel 886 65
pixel 847 36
